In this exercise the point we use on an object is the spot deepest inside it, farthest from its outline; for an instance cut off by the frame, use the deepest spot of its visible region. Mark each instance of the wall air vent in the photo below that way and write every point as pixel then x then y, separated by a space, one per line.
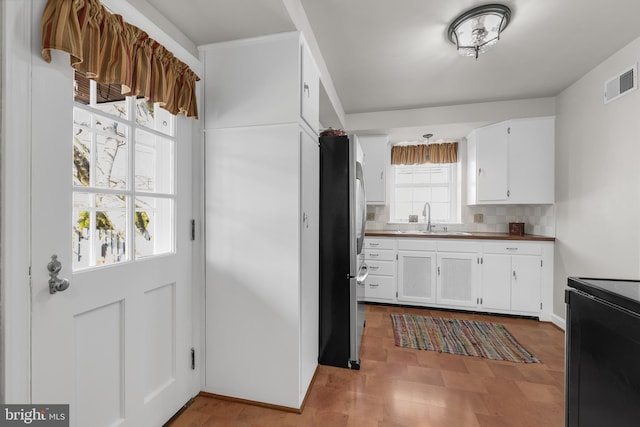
pixel 621 84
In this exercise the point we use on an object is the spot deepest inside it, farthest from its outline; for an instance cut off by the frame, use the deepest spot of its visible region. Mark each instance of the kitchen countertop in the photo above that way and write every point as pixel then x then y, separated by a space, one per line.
pixel 457 235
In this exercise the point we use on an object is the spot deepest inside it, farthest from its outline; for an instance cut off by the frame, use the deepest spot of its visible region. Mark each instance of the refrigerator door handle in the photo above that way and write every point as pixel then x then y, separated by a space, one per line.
pixel 362 207
pixel 363 273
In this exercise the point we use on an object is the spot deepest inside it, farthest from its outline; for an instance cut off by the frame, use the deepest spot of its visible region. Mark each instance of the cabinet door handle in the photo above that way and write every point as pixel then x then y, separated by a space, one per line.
pixel 374 255
pixel 371 244
pixel 438 270
pixel 479 171
pixel 514 275
pixel 512 249
pixel 382 175
pixel 371 267
pixel 374 285
pixel 306 89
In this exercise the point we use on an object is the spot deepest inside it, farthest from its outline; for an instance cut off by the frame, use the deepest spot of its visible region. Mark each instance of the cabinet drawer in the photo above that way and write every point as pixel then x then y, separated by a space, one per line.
pixel 512 248
pixel 380 287
pixel 417 244
pixel 382 255
pixel 453 245
pixel 381 268
pixel 370 243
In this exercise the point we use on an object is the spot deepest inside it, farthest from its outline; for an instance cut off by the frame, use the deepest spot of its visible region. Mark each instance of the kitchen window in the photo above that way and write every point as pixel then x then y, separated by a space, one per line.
pixel 414 185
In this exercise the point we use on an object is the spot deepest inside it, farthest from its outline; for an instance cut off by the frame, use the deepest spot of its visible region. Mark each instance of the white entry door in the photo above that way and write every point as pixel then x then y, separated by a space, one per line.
pixel 111 197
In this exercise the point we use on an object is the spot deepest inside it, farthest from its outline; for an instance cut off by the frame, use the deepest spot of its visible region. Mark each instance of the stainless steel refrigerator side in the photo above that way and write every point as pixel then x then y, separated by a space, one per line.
pixel 354 358
pixel 356 235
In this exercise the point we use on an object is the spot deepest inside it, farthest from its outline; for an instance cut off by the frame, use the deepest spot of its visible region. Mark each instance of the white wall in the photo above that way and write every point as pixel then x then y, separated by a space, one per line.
pixel 597 179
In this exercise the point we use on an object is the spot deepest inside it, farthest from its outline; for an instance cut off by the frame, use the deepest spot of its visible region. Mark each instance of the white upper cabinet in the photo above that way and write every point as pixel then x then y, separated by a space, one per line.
pixel 376 159
pixel 309 89
pixel 261 81
pixel 512 162
pixel 491 157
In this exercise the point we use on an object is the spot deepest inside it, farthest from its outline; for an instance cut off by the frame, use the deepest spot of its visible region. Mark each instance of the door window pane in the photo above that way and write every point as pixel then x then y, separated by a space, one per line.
pixel 153 117
pixel 154 163
pixel 99 229
pixel 153 221
pixel 111 162
pixel 81 157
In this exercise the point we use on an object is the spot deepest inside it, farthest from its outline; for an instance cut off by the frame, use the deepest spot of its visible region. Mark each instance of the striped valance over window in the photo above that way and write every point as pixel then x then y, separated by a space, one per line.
pixel 110 51
pixel 420 154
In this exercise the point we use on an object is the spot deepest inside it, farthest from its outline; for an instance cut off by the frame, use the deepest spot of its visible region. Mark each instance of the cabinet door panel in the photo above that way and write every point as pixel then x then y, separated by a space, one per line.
pixel 531 160
pixel 309 89
pixel 376 148
pixel 525 290
pixel 310 253
pixel 496 282
pixel 416 276
pixel 491 157
pixel 456 279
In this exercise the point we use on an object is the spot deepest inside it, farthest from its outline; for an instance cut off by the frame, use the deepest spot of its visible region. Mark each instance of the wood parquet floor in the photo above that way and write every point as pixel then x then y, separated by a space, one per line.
pixel 399 387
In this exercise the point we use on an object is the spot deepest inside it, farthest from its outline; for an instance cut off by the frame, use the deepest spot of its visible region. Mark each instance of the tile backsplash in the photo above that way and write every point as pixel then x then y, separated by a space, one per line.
pixel 538 219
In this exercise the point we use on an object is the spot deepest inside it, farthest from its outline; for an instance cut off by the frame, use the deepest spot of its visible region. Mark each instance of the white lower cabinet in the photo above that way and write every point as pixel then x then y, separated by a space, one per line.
pixel 417 277
pixel 496 282
pixel 380 257
pixel 456 284
pixel 525 283
pixel 512 277
pixel 484 275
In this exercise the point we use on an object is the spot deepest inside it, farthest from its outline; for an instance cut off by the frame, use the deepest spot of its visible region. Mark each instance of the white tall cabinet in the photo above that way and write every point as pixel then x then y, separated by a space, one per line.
pixel 261 210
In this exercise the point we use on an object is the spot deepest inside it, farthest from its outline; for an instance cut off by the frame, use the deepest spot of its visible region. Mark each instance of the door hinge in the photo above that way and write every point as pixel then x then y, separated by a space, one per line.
pixel 396 257
pixel 193 229
pixel 540 263
pixel 396 294
pixel 540 306
pixel 508 131
pixel 193 358
pixel 508 193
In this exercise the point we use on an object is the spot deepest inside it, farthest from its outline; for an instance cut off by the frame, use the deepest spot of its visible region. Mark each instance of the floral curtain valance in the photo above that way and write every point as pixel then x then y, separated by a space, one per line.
pixel 420 154
pixel 108 50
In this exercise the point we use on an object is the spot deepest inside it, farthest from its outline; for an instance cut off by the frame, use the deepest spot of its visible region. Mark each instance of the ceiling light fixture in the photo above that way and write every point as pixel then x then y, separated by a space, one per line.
pixel 477 30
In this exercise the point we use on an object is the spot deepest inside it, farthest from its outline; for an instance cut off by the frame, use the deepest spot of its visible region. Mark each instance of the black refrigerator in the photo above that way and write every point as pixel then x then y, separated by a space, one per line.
pixel 342 267
pixel 603 353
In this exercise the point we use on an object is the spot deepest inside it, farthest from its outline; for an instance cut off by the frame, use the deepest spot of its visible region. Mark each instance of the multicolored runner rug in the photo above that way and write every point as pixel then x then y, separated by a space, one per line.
pixel 463 337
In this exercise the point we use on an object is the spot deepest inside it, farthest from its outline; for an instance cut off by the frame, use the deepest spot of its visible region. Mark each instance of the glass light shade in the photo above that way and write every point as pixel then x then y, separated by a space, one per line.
pixel 477 30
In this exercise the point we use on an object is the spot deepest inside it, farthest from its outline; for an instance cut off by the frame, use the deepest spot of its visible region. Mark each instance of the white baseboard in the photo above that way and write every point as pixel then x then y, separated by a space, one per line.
pixel 559 322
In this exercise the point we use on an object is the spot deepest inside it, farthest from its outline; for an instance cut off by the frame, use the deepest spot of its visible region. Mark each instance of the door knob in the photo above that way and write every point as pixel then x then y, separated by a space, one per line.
pixel 56 284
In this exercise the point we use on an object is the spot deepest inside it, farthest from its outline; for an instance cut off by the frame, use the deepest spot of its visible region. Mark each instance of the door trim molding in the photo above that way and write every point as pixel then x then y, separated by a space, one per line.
pixel 17 48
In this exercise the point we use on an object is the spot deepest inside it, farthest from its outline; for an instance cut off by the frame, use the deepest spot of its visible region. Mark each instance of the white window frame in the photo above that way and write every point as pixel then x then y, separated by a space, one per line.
pixel 455 191
pixel 130 192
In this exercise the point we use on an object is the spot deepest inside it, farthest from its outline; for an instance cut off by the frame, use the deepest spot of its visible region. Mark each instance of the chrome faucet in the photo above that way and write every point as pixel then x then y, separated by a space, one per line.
pixel 427 217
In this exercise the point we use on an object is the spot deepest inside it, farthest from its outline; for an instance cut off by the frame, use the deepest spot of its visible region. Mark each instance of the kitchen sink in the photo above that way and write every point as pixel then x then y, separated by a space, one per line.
pixel 445 233
pixel 435 233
